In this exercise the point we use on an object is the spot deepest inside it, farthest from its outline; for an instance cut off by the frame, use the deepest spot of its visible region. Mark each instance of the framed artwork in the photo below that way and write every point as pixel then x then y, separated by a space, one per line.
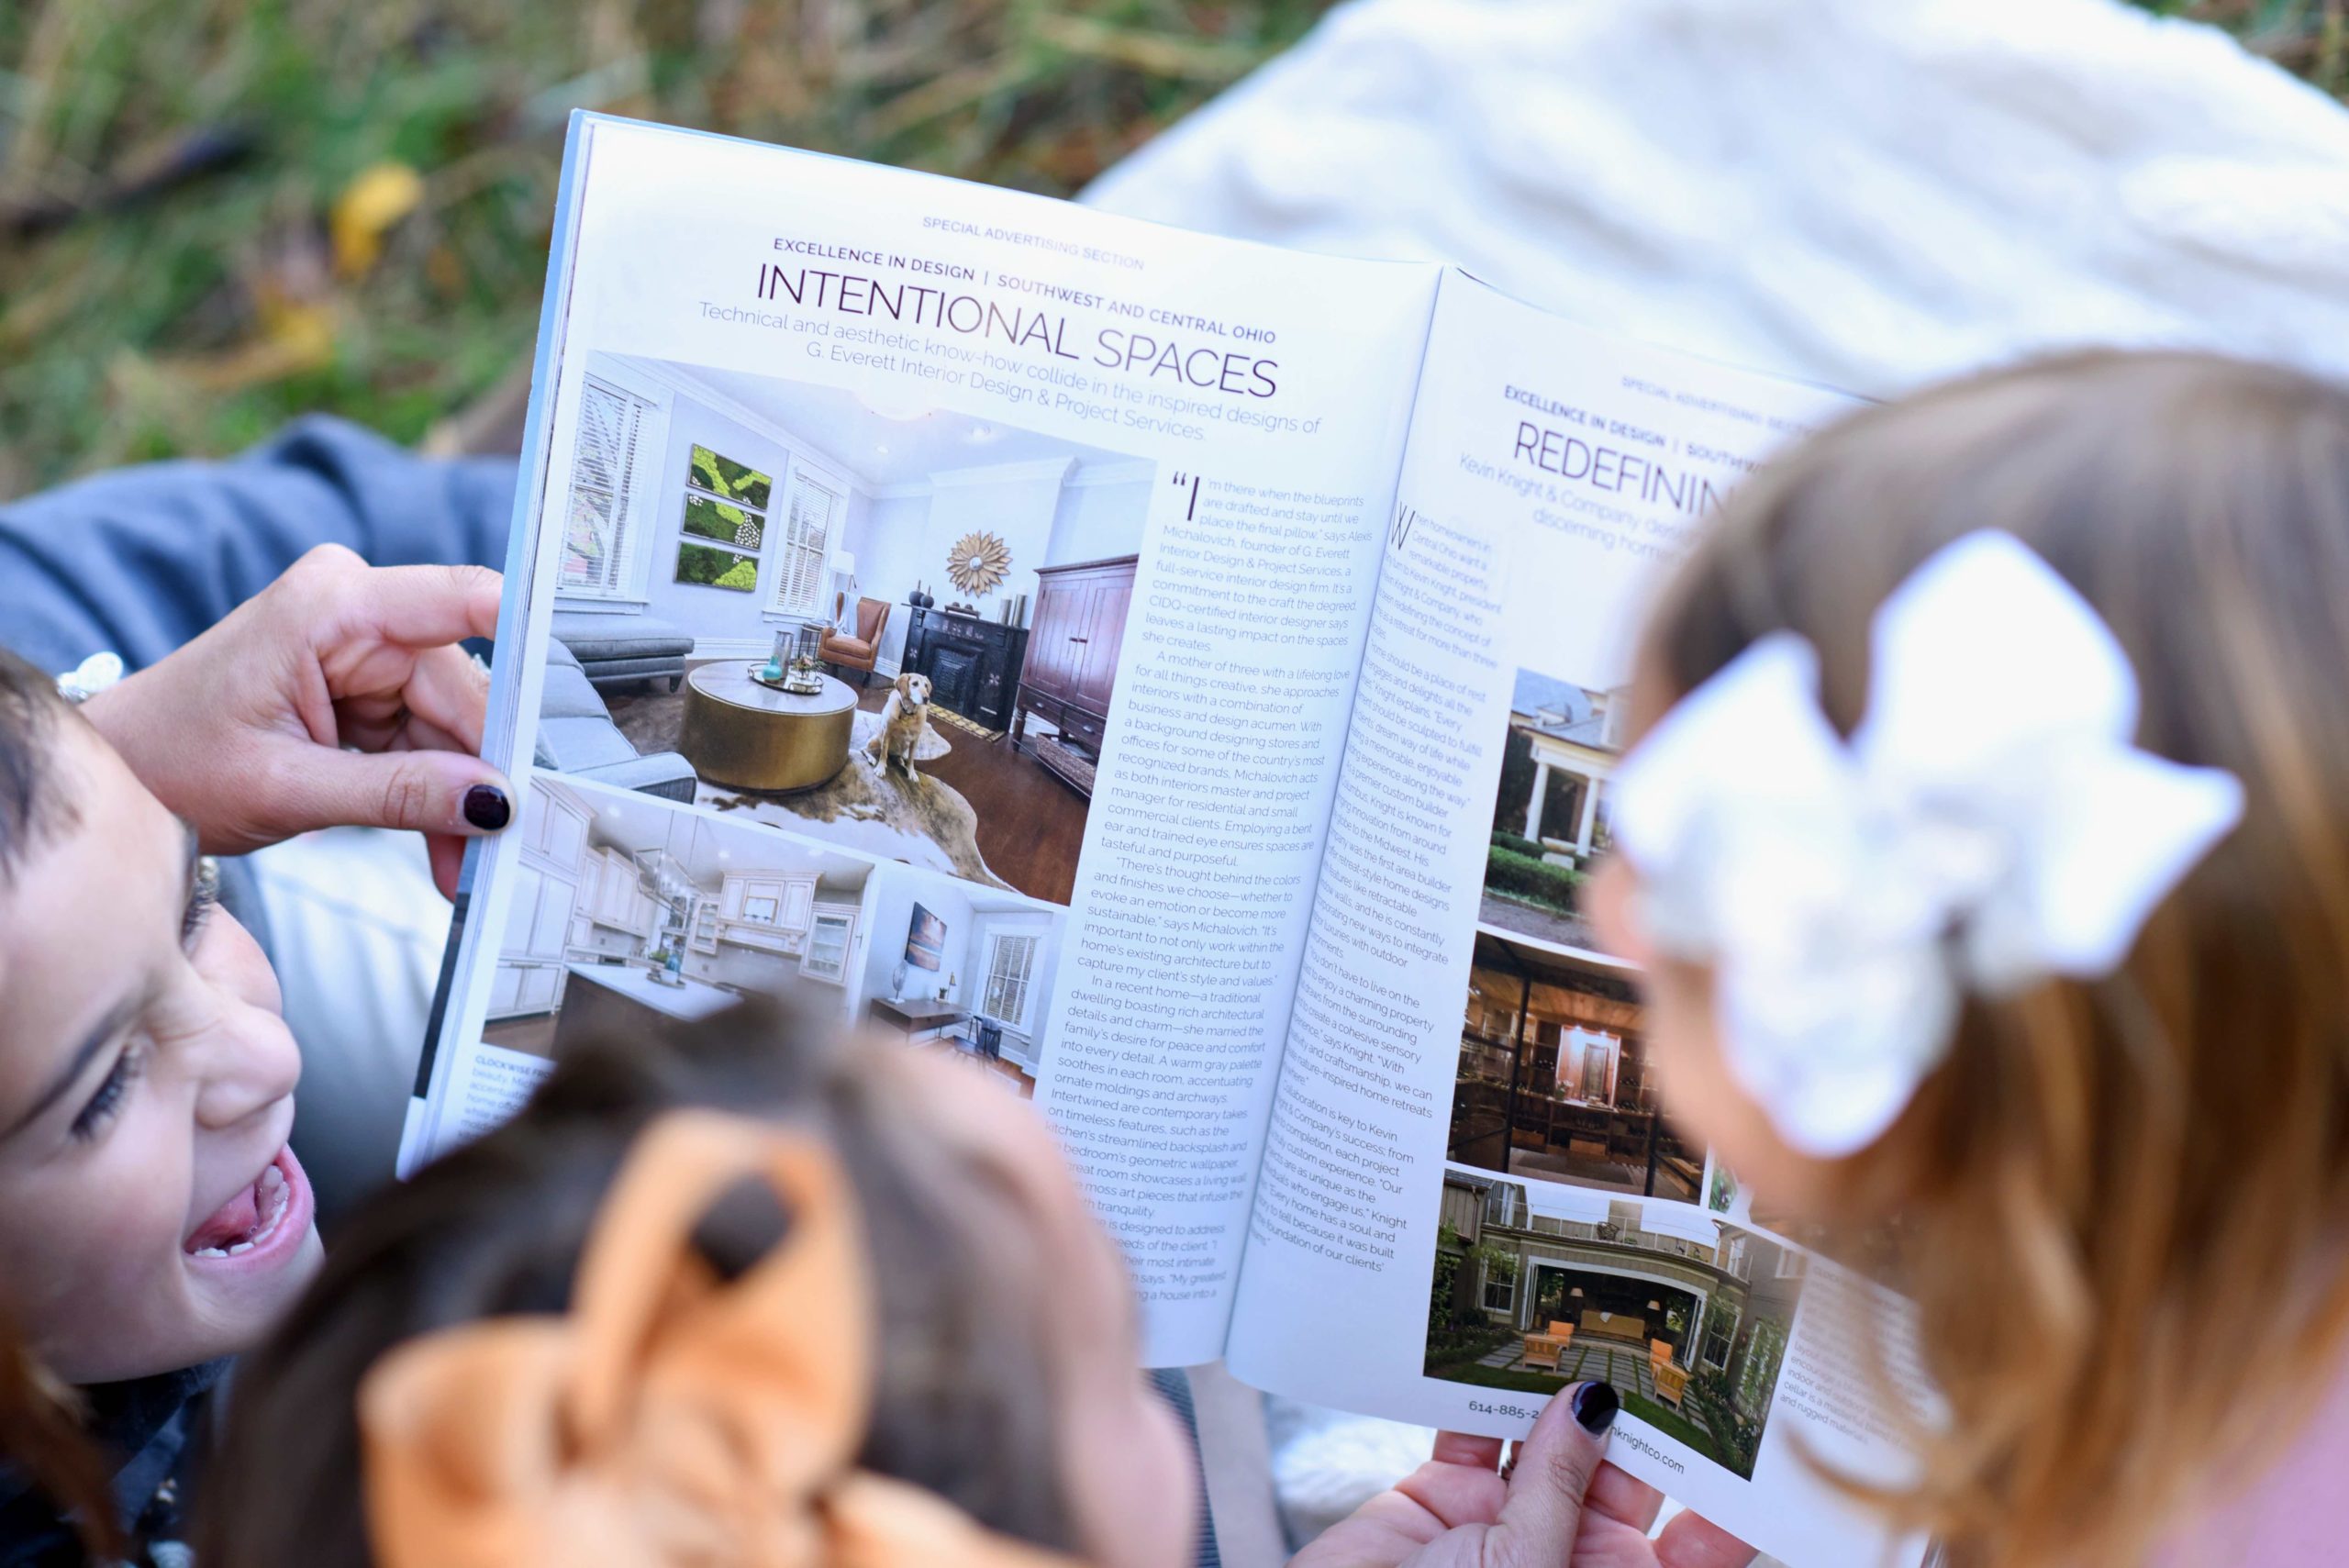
pixel 725 504
pixel 926 941
pixel 712 567
pixel 729 480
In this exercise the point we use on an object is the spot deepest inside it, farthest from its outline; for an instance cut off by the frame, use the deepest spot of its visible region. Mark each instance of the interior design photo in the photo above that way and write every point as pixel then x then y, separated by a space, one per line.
pixel 1536 1288
pixel 893 627
pixel 1563 741
pixel 1553 1079
pixel 966 969
pixel 628 908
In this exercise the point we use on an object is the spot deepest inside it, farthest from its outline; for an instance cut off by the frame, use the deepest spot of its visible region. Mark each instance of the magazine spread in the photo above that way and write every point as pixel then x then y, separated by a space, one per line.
pixel 1175 681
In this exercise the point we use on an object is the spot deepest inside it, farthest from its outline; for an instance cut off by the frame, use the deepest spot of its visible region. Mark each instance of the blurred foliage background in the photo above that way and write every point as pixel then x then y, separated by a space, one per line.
pixel 217 214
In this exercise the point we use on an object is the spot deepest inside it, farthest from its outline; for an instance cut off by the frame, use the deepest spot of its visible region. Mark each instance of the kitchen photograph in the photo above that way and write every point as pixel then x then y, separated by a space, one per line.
pixel 630 908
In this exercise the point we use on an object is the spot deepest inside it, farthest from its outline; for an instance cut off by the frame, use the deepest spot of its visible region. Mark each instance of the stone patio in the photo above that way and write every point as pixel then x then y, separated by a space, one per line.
pixel 1623 1366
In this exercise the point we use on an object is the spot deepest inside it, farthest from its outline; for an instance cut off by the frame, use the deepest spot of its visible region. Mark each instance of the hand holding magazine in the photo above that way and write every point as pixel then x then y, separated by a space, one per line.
pixel 1180 678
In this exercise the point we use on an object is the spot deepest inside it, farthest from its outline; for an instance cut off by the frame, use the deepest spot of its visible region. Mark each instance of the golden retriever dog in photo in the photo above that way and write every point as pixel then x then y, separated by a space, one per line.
pixel 902 717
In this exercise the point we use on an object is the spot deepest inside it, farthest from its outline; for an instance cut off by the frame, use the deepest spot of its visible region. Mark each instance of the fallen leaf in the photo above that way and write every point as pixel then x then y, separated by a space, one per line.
pixel 378 198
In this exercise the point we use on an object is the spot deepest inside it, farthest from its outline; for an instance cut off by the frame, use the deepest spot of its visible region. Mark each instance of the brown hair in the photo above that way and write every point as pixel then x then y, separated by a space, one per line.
pixel 41 1434
pixel 2106 1182
pixel 962 1405
pixel 40 1419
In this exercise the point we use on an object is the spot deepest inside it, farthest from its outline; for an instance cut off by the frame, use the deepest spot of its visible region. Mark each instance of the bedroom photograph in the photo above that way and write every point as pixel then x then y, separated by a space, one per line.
pixel 891 627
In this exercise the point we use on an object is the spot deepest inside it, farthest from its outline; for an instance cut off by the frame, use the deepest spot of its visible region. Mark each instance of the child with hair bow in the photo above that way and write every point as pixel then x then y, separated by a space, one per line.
pixel 742 1292
pixel 1984 841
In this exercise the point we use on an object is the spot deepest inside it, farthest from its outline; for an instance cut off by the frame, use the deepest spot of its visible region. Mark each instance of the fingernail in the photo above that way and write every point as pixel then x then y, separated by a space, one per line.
pixel 1595 1407
pixel 487 808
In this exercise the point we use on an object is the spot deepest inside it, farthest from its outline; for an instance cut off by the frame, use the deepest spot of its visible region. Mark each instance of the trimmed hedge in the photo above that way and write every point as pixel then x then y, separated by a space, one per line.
pixel 1533 880
pixel 1516 845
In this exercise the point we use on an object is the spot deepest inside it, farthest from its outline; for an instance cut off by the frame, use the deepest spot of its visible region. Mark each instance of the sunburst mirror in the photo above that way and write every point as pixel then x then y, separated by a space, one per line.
pixel 978 562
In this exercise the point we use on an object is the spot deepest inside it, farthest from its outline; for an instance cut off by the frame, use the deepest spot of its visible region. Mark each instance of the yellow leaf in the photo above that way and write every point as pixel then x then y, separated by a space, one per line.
pixel 377 198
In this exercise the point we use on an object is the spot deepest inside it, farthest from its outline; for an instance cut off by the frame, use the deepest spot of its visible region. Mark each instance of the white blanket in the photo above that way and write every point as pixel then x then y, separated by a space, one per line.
pixel 1865 193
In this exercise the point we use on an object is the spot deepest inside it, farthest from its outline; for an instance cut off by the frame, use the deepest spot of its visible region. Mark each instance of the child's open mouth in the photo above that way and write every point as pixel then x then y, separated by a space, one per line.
pixel 275 1207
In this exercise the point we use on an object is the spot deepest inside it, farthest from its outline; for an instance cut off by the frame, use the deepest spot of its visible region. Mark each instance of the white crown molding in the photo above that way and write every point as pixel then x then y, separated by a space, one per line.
pixel 1056 469
pixel 678 379
pixel 1140 471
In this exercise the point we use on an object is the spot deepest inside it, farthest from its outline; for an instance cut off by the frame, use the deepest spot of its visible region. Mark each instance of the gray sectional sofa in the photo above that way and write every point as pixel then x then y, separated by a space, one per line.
pixel 576 735
pixel 619 649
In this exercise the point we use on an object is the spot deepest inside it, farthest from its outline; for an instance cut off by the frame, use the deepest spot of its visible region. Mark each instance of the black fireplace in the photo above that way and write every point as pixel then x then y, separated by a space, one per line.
pixel 973 664
pixel 953 672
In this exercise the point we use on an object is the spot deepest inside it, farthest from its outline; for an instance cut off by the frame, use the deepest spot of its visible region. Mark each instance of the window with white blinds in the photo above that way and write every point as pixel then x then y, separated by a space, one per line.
pixel 599 542
pixel 1009 961
pixel 803 545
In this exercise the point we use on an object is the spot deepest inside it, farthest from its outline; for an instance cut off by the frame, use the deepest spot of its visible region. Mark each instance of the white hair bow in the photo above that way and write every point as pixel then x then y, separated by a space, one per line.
pixel 1988 825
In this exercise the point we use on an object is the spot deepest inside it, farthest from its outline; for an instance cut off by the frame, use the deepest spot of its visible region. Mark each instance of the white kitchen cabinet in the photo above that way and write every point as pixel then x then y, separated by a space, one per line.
pixel 831 937
pixel 705 937
pixel 616 900
pixel 767 911
pixel 506 991
pixel 542 988
pixel 555 830
pixel 530 959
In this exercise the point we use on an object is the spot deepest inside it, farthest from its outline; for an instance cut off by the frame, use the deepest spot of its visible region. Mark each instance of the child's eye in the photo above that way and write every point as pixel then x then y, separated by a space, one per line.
pixel 203 896
pixel 108 1097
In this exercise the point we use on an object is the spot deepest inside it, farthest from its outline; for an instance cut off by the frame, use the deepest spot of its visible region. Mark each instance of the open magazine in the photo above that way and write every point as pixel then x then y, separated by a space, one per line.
pixel 1177 679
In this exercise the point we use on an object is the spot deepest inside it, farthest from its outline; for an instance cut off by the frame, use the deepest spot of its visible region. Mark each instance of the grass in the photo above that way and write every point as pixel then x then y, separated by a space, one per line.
pixel 2310 38
pixel 171 276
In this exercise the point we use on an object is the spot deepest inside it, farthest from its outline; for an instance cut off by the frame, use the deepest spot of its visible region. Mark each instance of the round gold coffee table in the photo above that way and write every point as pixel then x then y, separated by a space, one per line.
pixel 741 732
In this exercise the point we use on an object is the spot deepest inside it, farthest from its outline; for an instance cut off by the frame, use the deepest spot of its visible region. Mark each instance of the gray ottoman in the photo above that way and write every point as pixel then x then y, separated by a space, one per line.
pixel 615 649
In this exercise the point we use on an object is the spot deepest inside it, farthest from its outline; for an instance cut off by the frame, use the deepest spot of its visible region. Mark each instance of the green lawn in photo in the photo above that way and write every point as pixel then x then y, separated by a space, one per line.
pixel 722 476
pixel 710 568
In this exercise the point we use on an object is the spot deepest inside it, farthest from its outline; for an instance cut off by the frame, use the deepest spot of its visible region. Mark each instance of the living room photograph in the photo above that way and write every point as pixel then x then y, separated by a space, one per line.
pixel 628 908
pixel 887 624
pixel 963 971
pixel 1562 744
pixel 1553 1078
pixel 1536 1288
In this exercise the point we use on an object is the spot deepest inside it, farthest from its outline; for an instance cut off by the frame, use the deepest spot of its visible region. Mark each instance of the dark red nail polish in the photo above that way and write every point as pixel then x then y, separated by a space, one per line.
pixel 1595 1406
pixel 487 808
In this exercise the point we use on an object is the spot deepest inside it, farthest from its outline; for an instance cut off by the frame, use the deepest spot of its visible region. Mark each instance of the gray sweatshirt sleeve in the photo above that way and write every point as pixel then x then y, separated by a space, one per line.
pixel 141 560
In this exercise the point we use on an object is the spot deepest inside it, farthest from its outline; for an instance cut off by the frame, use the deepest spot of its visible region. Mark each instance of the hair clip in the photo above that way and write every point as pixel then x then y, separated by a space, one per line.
pixel 1989 824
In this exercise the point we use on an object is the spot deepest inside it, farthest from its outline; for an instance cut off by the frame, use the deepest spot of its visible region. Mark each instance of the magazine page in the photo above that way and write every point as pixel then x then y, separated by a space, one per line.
pixel 946 600
pixel 1471 1196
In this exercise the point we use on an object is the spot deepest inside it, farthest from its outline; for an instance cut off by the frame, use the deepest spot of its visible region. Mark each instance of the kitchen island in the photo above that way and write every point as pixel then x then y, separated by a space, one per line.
pixel 624 997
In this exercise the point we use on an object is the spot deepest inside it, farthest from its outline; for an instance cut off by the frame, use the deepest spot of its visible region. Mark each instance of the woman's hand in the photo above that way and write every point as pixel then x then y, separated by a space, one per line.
pixel 1559 1505
pixel 244 730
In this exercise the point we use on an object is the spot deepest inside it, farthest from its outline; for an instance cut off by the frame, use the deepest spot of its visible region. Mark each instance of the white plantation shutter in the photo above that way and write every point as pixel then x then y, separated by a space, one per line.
pixel 809 511
pixel 1009 959
pixel 600 540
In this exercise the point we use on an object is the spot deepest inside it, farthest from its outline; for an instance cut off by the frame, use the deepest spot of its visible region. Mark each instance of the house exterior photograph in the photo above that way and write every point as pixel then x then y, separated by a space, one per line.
pixel 1562 744
pixel 1536 1288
